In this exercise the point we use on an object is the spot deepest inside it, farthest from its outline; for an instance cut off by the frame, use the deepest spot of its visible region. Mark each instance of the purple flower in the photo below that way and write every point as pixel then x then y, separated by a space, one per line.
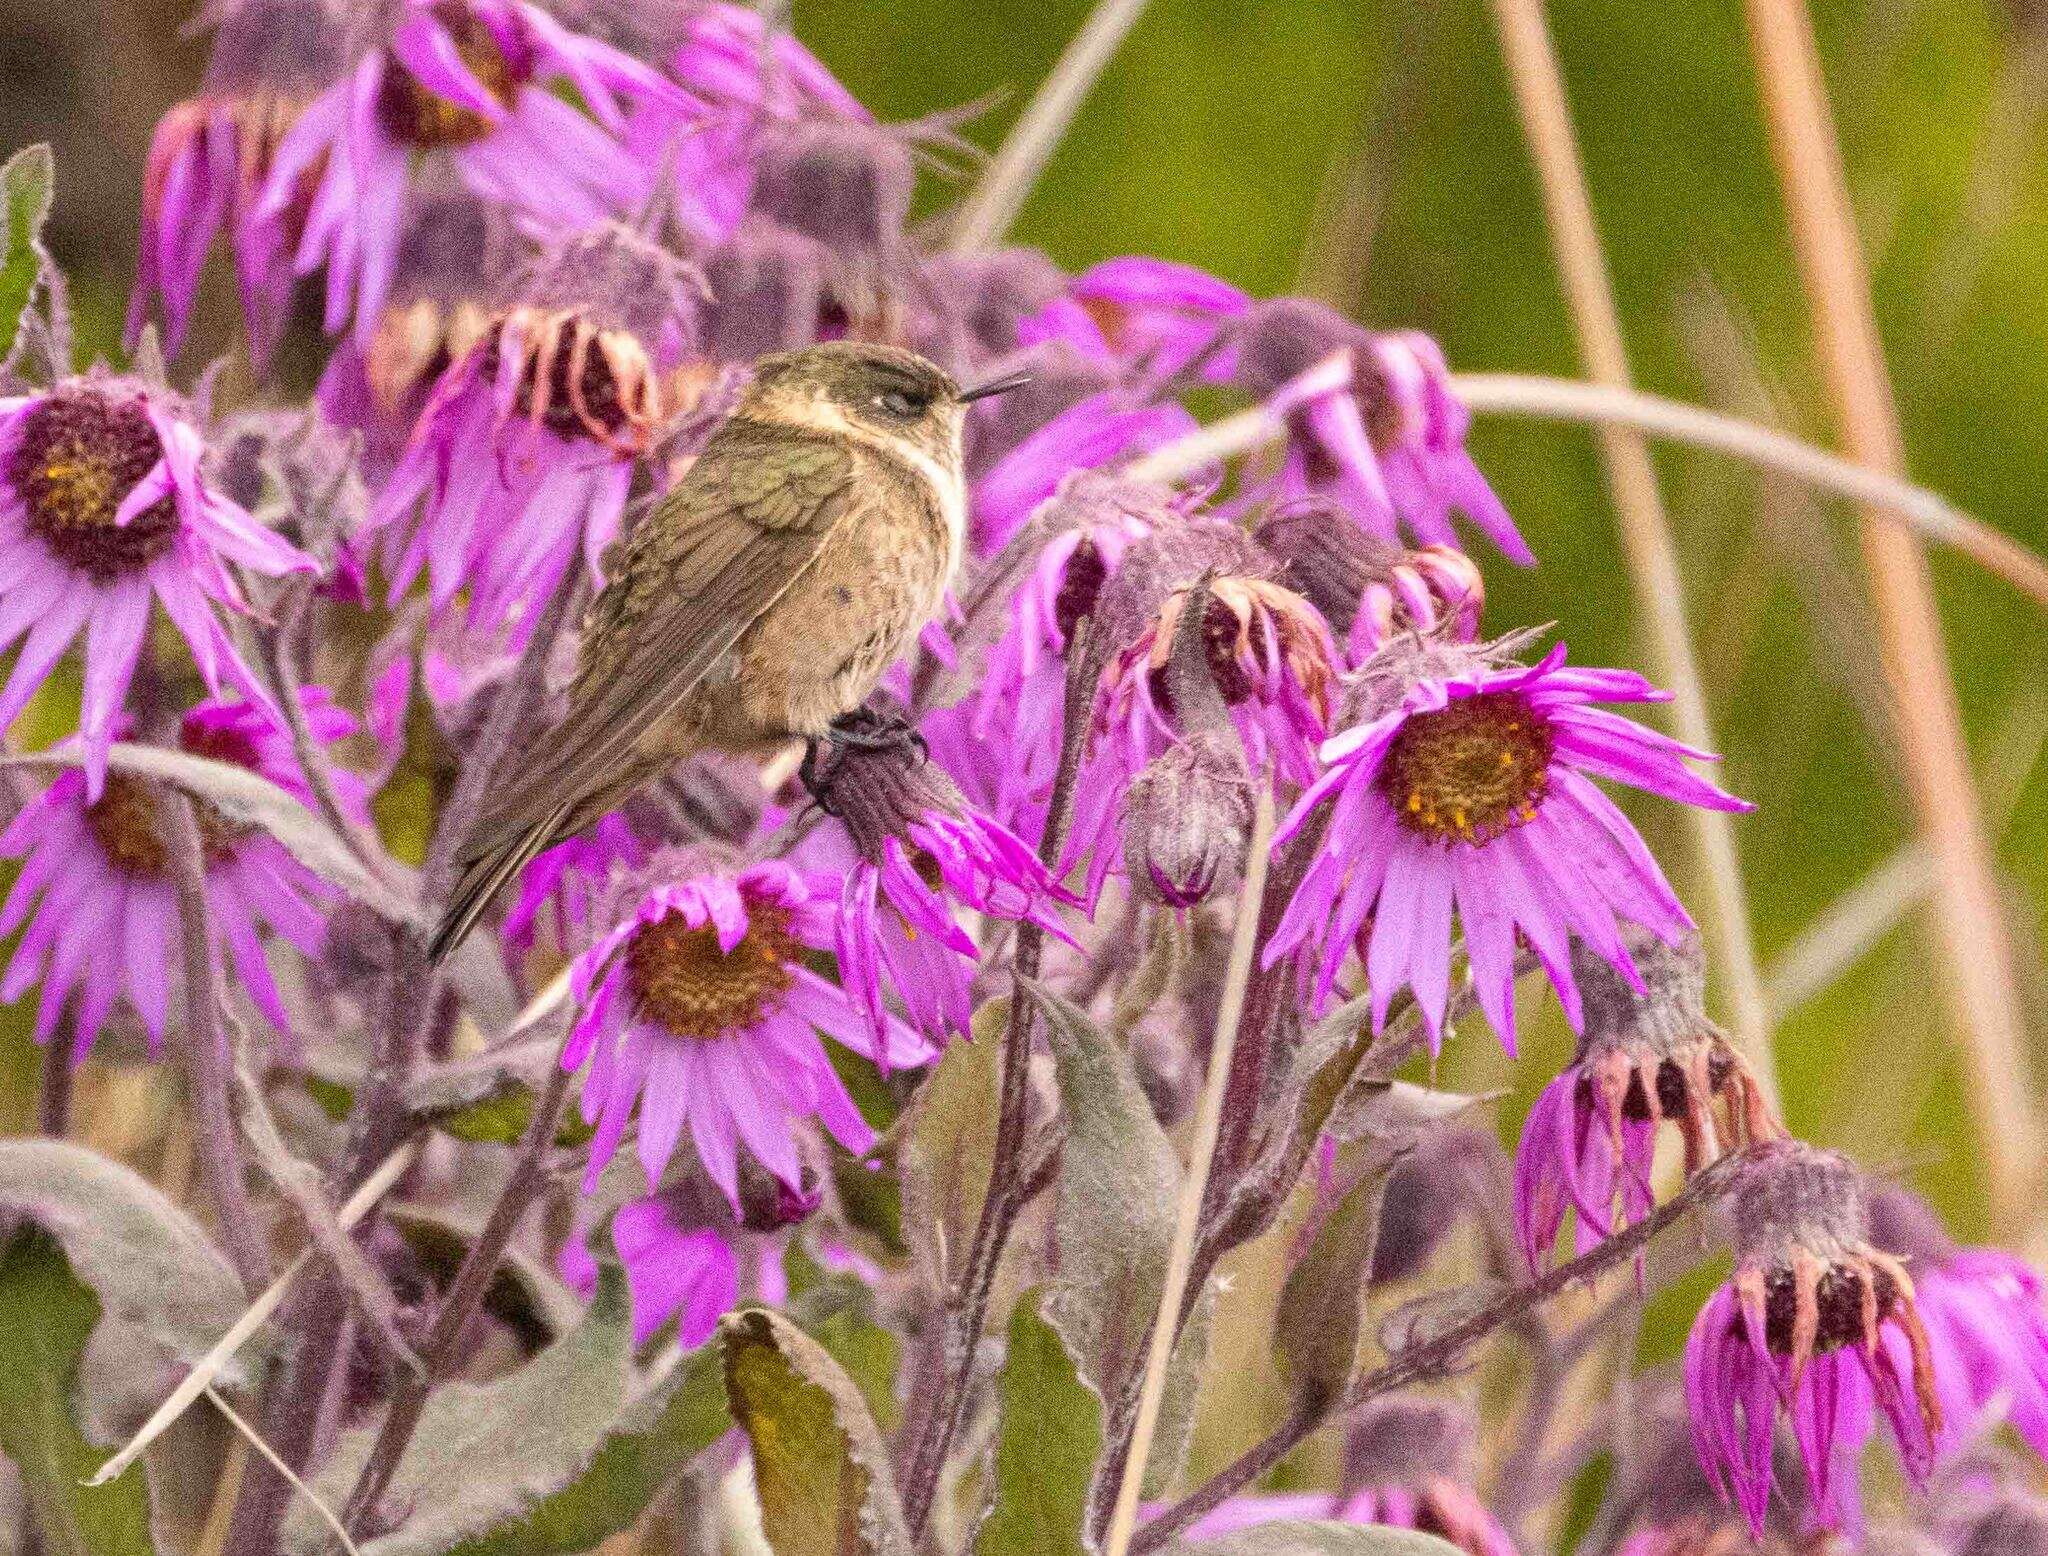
pixel 1463 786
pixel 97 892
pixel 1146 317
pixel 211 155
pixel 568 880
pixel 698 1007
pixel 1368 589
pixel 103 507
pixel 1648 1053
pixel 1375 424
pixel 922 854
pixel 1986 1325
pixel 524 453
pixel 1818 1323
pixel 470 80
pixel 1095 434
pixel 690 1274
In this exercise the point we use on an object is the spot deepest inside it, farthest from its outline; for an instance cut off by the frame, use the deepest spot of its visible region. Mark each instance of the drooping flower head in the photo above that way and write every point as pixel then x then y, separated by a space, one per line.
pixel 697 1006
pixel 470 82
pixel 923 854
pixel 1647 1053
pixel 211 155
pixel 524 453
pixel 1369 589
pixel 1986 1323
pixel 1185 820
pixel 104 508
pixel 1817 1323
pixel 98 894
pixel 1462 786
pixel 1146 319
pixel 1375 425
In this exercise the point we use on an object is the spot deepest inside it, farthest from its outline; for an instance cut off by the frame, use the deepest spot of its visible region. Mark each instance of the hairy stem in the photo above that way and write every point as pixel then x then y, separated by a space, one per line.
pixel 967 1303
pixel 1978 968
pixel 1437 1357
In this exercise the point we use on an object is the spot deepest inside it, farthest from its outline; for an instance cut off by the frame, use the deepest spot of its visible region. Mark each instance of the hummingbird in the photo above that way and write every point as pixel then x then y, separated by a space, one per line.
pixel 758 603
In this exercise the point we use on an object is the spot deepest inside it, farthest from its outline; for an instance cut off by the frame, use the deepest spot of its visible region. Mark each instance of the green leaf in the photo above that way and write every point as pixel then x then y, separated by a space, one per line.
pixel 491 1454
pixel 869 1353
pixel 1307 1537
pixel 1118 1184
pixel 820 1468
pixel 948 1149
pixel 1051 1440
pixel 27 184
pixel 1316 1328
pixel 148 1263
pixel 654 1439
pixel 48 1314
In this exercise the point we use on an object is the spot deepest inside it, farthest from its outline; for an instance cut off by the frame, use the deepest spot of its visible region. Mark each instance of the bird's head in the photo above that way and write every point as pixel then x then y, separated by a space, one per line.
pixel 873 393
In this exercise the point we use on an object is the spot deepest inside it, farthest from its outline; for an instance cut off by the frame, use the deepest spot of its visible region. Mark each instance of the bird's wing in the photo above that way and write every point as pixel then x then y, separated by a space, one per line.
pixel 745 522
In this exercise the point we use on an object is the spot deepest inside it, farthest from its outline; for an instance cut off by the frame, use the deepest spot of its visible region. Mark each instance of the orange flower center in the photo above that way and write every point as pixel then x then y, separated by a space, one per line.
pixel 1471 771
pixel 679 977
pixel 77 456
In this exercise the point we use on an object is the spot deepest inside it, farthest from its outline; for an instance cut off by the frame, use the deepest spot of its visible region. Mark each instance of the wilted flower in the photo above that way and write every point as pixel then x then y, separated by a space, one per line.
pixel 1369 589
pixel 470 80
pixel 98 893
pixel 1375 423
pixel 1463 786
pixel 1647 1053
pixel 1816 1321
pixel 103 508
pixel 923 854
pixel 211 155
pixel 1986 1325
pixel 698 1006
pixel 525 452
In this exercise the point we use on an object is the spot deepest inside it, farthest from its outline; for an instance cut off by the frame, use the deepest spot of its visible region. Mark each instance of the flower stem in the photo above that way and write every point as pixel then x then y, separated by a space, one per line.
pixel 207 1063
pixel 1008 1186
pixel 1983 996
pixel 986 214
pixel 1437 1357
pixel 1208 1120
pixel 1638 504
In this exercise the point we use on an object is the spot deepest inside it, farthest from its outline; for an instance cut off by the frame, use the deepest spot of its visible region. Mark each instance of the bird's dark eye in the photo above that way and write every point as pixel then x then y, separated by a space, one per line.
pixel 902 404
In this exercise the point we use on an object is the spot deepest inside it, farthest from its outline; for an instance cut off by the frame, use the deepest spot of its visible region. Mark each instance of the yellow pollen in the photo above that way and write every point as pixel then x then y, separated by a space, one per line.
pixel 680 978
pixel 1470 771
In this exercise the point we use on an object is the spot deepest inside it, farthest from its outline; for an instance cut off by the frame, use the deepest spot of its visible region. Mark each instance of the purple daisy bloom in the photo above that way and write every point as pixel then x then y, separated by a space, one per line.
pixel 698 1007
pixel 1818 1323
pixel 471 79
pixel 1143 316
pixel 566 882
pixel 97 892
pixel 104 507
pixel 922 854
pixel 524 454
pixel 690 1274
pixel 1096 434
pixel 210 157
pixel 1648 1053
pixel 1464 786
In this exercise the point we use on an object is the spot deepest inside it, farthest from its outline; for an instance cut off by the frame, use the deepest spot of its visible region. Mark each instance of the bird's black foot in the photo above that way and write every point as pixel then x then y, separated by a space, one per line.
pixel 865 729
pixel 816 784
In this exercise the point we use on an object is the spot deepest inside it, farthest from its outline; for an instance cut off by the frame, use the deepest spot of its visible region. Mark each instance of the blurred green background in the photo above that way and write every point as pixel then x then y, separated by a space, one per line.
pixel 1371 154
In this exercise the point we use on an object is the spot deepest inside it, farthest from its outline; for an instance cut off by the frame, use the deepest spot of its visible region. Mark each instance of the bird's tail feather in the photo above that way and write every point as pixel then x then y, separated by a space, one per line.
pixel 482 878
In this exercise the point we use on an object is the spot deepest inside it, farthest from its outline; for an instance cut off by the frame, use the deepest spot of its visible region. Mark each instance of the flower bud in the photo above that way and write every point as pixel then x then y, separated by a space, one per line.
pixel 1185 818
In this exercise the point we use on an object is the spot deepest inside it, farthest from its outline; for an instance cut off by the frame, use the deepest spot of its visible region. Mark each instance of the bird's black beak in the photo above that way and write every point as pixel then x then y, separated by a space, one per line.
pixel 1002 385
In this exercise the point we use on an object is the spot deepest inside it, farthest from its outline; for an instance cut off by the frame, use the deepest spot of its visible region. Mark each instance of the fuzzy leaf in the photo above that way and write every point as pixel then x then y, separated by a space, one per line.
pixel 820 1468
pixel 1316 1328
pixel 488 1454
pixel 1308 1537
pixel 249 799
pixel 948 1149
pixel 48 1314
pixel 525 1293
pixel 654 1439
pixel 27 184
pixel 1118 1183
pixel 1051 1439
pixel 146 1260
